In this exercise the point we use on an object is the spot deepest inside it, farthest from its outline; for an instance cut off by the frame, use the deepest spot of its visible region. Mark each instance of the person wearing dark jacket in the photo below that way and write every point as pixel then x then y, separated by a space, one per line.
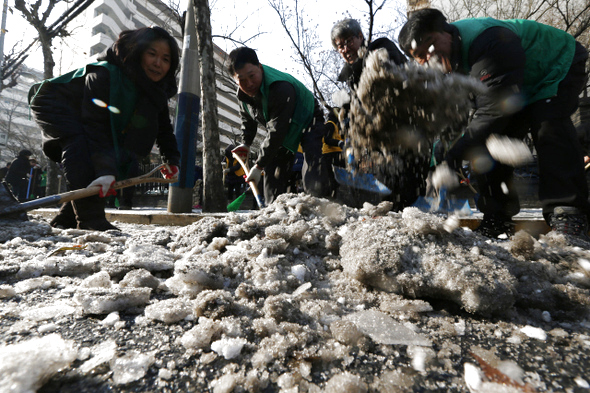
pixel 100 118
pixel 18 175
pixel 234 175
pixel 534 74
pixel 348 39
pixel 4 171
pixel 408 182
pixel 291 115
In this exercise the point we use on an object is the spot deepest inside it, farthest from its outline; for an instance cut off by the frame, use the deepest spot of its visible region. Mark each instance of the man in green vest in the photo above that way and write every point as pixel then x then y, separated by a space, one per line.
pixel 291 115
pixel 534 74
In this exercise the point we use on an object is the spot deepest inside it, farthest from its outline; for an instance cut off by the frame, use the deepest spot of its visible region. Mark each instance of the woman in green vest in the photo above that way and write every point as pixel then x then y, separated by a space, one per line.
pixel 291 116
pixel 534 75
pixel 100 118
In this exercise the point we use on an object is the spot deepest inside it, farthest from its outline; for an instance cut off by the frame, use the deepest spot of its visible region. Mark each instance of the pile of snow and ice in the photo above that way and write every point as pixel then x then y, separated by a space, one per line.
pixel 402 105
pixel 305 295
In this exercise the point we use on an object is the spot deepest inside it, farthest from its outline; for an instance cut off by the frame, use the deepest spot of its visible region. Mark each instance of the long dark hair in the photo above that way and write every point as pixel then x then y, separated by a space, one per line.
pixel 131 45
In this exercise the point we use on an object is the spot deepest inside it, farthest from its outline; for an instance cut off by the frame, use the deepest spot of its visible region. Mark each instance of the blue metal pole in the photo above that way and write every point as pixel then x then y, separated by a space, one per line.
pixel 187 118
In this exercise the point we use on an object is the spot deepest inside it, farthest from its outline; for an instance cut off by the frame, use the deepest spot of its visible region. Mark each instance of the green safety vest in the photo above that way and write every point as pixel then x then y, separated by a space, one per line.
pixel 549 52
pixel 304 108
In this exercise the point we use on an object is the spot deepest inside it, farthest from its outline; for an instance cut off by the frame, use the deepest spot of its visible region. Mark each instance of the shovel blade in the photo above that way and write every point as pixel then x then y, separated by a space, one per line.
pixel 9 205
pixel 443 205
pixel 237 203
pixel 361 181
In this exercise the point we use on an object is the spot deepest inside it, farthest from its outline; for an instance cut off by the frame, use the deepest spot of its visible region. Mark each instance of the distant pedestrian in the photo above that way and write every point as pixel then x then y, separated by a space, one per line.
pixel 42 183
pixel 125 195
pixel 4 171
pixel 18 175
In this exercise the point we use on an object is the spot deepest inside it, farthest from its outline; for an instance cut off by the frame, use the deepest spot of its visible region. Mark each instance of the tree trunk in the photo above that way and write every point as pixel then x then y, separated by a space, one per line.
pixel 213 195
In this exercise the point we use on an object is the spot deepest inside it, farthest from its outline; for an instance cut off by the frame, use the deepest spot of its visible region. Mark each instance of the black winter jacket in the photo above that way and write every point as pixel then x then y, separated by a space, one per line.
pixel 282 100
pixel 18 171
pixel 497 58
pixel 66 109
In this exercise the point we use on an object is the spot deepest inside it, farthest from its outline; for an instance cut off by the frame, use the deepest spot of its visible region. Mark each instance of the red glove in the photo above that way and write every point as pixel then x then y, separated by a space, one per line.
pixel 170 171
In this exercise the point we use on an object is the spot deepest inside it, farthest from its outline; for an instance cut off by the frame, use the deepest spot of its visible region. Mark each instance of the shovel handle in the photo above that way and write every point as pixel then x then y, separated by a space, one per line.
pixel 251 183
pixel 83 193
pixel 89 191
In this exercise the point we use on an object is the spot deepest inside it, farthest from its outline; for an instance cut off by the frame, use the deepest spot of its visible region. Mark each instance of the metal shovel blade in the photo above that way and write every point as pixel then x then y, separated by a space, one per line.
pixel 9 205
pixel 361 181
pixel 441 203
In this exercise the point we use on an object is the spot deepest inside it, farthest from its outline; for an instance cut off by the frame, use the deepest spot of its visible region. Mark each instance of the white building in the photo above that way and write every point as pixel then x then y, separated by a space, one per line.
pixel 17 130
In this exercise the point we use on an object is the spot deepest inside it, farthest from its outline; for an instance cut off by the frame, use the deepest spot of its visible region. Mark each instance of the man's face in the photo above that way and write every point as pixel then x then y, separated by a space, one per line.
pixel 434 48
pixel 249 78
pixel 348 47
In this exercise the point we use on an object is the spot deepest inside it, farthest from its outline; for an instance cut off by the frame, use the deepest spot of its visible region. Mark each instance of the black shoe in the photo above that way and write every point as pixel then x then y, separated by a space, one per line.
pixel 494 226
pixel 97 225
pixel 125 207
pixel 569 221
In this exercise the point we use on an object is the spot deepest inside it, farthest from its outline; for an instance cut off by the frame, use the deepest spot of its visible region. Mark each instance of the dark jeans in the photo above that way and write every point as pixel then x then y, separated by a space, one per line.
pixel 562 179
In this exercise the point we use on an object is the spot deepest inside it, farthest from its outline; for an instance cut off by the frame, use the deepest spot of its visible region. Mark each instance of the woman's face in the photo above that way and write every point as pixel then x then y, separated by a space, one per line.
pixel 155 60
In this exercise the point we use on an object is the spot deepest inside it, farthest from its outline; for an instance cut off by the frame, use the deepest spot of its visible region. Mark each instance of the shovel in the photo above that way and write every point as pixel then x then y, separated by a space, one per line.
pixel 252 185
pixel 237 203
pixel 10 207
pixel 441 203
pixel 361 181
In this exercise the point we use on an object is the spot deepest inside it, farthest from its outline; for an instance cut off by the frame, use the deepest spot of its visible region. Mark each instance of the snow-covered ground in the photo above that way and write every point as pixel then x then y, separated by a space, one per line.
pixel 304 296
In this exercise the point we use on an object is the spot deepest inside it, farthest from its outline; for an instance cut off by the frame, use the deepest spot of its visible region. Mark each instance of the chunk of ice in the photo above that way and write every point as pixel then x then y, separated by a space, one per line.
pixel 131 367
pixel 25 366
pixel 384 330
pixel 229 348
pixel 534 332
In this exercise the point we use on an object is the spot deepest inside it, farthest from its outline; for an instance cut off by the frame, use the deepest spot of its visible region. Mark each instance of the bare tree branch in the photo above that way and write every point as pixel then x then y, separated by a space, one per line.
pixel 302 41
